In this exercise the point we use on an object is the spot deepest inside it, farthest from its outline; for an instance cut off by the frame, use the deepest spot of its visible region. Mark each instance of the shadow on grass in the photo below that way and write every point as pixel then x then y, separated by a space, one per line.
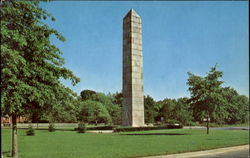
pixel 145 134
pixel 6 153
pixel 46 129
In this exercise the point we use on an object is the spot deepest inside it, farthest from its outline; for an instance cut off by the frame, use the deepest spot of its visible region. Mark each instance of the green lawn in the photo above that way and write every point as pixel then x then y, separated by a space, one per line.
pixel 225 125
pixel 69 144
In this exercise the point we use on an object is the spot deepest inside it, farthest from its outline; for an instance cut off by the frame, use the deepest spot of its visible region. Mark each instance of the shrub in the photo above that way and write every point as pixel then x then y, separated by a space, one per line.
pixel 170 121
pixel 51 127
pixel 81 127
pixel 174 126
pixel 99 128
pixel 30 131
pixel 191 123
pixel 130 129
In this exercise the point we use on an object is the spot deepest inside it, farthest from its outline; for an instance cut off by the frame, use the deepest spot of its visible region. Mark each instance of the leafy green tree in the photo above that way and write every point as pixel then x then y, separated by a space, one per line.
pixel 243 104
pixel 93 112
pixel 182 112
pixel 108 101
pixel 166 109
pixel 115 112
pixel 64 113
pixel 150 111
pixel 31 67
pixel 116 109
pixel 158 108
pixel 86 94
pixel 118 98
pixel 237 106
pixel 102 98
pixel 206 99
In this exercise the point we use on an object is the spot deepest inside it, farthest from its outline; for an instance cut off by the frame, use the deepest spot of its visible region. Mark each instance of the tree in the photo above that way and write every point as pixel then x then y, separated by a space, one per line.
pixel 243 104
pixel 31 67
pixel 206 99
pixel 115 112
pixel 87 94
pixel 182 112
pixel 166 108
pixel 93 112
pixel 118 98
pixel 150 111
pixel 108 101
pixel 64 113
pixel 237 106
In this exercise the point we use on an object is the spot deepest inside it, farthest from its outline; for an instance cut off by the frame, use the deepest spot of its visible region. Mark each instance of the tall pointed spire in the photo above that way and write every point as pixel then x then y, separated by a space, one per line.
pixel 132 12
pixel 133 97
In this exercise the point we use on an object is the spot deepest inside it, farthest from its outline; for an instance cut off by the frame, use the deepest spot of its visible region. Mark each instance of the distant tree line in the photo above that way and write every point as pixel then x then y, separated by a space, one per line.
pixel 222 105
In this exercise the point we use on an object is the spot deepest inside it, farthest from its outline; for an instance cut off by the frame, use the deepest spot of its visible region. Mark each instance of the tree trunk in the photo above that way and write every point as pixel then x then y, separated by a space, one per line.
pixel 14 153
pixel 208 125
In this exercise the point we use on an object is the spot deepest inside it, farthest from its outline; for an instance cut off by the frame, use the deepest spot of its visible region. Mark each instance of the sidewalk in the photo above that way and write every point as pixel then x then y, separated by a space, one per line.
pixel 203 153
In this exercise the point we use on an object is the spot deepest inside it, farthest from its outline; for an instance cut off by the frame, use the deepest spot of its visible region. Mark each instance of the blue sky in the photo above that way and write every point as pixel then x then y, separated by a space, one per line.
pixel 178 37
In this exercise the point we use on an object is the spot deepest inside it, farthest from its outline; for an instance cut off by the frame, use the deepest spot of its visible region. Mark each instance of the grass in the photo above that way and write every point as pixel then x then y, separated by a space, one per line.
pixel 236 125
pixel 70 144
pixel 225 125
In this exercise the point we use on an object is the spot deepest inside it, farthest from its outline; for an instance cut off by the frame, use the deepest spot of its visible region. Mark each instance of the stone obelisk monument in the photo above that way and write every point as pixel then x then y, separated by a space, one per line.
pixel 133 97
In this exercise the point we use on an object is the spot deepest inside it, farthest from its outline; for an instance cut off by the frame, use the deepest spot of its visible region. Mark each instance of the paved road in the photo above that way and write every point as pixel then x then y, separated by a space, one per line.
pixel 229 152
pixel 232 154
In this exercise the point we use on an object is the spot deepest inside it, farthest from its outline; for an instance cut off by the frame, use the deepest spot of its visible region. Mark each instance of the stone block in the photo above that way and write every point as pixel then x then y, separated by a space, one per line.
pixel 136 47
pixel 136 41
pixel 135 35
pixel 136 53
pixel 137 76
pixel 136 29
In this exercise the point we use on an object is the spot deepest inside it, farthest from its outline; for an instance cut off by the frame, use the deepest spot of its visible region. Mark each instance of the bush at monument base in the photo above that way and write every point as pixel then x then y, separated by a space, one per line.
pixel 30 131
pixel 51 127
pixel 81 127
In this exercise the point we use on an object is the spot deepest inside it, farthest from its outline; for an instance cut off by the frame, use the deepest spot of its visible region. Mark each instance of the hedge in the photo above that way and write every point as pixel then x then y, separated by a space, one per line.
pixel 130 129
pixel 100 128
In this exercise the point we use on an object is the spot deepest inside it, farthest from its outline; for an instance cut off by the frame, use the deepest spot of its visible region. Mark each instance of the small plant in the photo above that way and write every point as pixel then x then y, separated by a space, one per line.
pixel 30 131
pixel 81 127
pixel 51 127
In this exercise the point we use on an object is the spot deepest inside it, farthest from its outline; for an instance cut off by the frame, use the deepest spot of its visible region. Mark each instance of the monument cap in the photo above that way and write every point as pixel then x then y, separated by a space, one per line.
pixel 131 12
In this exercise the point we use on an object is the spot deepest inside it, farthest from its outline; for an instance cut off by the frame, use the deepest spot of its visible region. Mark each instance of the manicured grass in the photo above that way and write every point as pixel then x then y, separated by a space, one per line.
pixel 225 125
pixel 236 125
pixel 70 144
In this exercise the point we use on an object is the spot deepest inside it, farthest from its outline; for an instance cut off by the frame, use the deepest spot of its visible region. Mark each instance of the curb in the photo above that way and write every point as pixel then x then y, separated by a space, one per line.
pixel 202 153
